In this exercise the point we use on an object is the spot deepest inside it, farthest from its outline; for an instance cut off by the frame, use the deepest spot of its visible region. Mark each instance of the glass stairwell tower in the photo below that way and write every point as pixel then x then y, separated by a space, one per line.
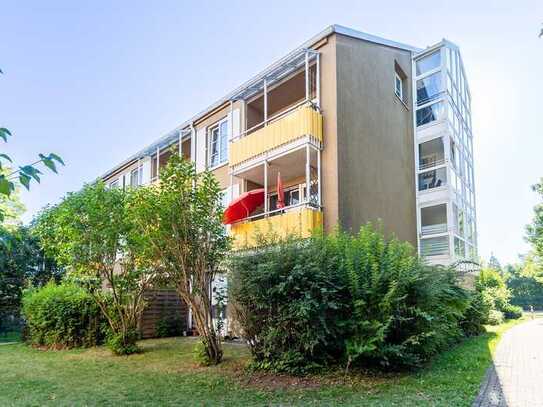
pixel 446 216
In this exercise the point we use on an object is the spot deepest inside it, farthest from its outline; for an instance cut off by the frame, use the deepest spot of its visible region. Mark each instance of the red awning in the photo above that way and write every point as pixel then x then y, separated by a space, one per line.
pixel 242 207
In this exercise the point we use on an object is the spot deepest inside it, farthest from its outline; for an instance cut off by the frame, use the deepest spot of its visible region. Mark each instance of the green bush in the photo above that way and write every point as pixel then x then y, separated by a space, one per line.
pixel 495 317
pixel 123 345
pixel 494 292
pixel 475 316
pixel 62 316
pixel 512 311
pixel 290 301
pixel 361 300
pixel 167 327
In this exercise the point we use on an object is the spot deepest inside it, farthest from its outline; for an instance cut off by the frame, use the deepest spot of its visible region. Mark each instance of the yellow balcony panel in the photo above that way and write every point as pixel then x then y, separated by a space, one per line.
pixel 304 121
pixel 297 221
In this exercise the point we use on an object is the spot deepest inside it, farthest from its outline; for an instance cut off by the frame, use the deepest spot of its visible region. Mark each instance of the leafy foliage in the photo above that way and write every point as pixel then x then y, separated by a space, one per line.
pixel 525 281
pixel 179 222
pixel 295 300
pixel 495 295
pixel 60 316
pixel 22 262
pixel 91 232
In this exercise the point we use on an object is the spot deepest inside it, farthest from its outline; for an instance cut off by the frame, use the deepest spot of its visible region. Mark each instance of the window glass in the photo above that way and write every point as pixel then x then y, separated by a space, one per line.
pixel 398 86
pixel 135 177
pixel 434 246
pixel 431 153
pixel 430 113
pixel 433 179
pixel 459 247
pixel 218 144
pixel 428 88
pixel 114 184
pixel 428 63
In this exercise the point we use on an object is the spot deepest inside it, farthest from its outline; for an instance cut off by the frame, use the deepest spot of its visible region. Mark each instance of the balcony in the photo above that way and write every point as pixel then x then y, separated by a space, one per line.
pixel 298 220
pixel 302 121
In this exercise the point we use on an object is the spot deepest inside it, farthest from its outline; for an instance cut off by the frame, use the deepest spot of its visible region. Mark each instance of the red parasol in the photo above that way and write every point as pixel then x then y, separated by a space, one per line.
pixel 242 207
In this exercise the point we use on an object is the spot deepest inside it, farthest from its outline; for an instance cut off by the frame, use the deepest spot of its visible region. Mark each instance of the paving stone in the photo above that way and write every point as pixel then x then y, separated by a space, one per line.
pixel 516 377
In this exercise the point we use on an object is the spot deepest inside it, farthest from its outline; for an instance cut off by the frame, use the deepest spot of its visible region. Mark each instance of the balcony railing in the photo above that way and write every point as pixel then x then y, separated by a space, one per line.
pixel 298 220
pixel 303 121
pixel 434 246
pixel 433 229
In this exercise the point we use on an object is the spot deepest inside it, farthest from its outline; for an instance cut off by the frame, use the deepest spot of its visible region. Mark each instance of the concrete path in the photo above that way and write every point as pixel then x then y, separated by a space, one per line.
pixel 516 377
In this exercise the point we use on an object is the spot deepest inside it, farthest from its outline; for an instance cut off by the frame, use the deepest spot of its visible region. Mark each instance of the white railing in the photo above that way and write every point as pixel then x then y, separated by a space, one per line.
pixel 434 246
pixel 274 212
pixel 433 229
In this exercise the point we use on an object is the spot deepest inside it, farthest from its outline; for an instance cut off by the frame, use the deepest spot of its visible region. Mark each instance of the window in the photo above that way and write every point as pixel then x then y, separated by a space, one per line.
pixel 428 88
pixel 433 219
pixel 434 246
pixel 114 184
pixel 398 86
pixel 291 197
pixel 433 179
pixel 218 143
pixel 459 247
pixel 430 113
pixel 431 153
pixel 428 63
pixel 136 177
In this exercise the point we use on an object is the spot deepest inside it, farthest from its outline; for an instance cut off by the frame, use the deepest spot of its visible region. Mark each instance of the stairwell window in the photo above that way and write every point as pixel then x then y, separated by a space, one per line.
pixel 400 82
pixel 218 144
pixel 398 86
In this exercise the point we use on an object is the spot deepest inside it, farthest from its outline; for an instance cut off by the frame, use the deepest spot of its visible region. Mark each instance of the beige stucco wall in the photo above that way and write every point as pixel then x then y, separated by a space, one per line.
pixel 329 157
pixel 375 144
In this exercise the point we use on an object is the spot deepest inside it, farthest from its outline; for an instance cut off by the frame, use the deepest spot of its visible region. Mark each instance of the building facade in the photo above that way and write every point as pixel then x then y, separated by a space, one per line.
pixel 357 128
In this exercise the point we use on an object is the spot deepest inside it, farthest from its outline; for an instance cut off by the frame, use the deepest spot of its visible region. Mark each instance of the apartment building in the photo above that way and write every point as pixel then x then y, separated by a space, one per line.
pixel 355 128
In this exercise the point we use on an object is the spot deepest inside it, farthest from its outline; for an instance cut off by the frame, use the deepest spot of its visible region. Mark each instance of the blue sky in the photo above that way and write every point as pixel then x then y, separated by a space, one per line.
pixel 96 81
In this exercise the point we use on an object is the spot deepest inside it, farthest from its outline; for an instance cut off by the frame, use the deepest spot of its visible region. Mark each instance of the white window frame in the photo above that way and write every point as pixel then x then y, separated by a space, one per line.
pixel 139 179
pixel 221 160
pixel 398 79
pixel 114 184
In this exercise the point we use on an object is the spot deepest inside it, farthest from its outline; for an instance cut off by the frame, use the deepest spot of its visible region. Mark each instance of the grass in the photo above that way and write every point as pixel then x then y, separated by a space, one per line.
pixel 165 374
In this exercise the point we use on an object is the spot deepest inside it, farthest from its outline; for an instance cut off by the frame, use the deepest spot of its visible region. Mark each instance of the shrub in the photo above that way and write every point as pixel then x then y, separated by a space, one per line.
pixel 290 302
pixel 123 345
pixel 362 299
pixel 495 317
pixel 166 327
pixel 512 311
pixel 62 315
pixel 475 316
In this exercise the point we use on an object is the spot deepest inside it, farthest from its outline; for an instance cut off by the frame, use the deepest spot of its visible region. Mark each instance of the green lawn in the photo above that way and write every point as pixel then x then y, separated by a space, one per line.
pixel 164 374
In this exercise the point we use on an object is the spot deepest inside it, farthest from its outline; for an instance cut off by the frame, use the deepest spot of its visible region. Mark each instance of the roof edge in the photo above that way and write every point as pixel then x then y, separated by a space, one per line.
pixel 331 29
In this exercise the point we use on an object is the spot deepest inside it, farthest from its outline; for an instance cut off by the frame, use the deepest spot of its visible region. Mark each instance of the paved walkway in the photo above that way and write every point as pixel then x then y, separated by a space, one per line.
pixel 516 377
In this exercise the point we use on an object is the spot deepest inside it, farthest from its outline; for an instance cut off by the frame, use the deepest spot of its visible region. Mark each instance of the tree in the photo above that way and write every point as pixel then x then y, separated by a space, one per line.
pixel 22 262
pixel 90 232
pixel 24 173
pixel 494 263
pixel 180 220
pixel 525 280
pixel 534 231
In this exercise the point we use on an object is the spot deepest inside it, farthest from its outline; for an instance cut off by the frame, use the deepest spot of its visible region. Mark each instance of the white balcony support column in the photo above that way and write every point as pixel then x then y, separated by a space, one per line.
pixel 231 187
pixel 180 142
pixel 265 102
pixel 307 173
pixel 307 91
pixel 158 163
pixel 319 178
pixel 318 84
pixel 266 188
